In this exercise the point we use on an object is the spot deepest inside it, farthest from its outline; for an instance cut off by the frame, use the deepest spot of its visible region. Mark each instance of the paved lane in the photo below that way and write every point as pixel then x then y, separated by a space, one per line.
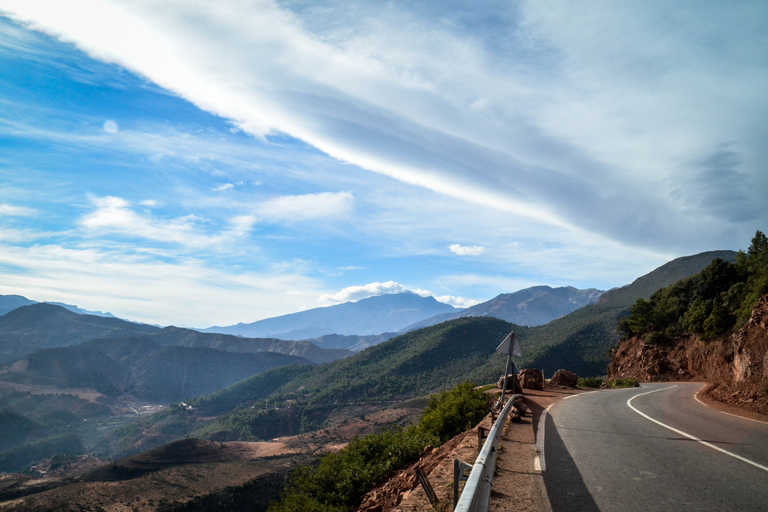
pixel 602 455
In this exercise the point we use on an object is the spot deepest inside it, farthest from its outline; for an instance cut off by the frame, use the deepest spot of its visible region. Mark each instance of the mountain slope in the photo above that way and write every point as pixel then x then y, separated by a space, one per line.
pixel 178 336
pixel 37 326
pixel 374 315
pixel 580 341
pixel 533 306
pixel 10 302
pixel 70 367
pixel 176 373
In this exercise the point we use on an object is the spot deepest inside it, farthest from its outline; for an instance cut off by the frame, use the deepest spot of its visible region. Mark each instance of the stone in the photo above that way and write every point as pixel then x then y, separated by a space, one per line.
pixel 564 378
pixel 531 378
pixel 513 385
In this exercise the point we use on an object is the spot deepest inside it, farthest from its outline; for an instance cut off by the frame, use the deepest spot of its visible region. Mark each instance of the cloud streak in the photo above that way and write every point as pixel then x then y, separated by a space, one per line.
pixel 473 250
pixel 582 141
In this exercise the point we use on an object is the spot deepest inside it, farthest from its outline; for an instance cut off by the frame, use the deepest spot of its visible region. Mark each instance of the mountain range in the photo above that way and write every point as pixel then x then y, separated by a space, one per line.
pixel 379 318
pixel 532 306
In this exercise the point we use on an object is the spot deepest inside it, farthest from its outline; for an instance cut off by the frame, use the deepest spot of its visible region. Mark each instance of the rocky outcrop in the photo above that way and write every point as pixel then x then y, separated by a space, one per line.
pixel 531 378
pixel 564 378
pixel 735 366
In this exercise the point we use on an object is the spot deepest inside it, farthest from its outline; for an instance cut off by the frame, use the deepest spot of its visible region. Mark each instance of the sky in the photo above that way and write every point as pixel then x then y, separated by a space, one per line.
pixel 203 163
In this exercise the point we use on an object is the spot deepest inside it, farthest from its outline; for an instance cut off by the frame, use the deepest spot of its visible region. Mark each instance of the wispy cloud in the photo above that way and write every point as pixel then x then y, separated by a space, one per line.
pixel 306 206
pixel 184 292
pixel 115 215
pixel 223 186
pixel 15 211
pixel 471 250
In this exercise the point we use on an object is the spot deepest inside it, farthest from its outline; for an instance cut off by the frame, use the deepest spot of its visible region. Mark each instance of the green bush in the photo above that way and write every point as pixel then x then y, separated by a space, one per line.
pixel 622 383
pixel 452 412
pixel 342 478
pixel 590 382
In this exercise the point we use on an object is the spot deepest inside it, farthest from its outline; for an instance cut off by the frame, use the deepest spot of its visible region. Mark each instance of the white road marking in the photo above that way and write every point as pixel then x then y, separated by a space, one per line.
pixel 696 396
pixel 580 394
pixel 689 436
pixel 539 463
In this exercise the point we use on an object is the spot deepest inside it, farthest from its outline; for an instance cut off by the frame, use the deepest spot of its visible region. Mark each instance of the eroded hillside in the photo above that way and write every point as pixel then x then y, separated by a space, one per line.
pixel 736 366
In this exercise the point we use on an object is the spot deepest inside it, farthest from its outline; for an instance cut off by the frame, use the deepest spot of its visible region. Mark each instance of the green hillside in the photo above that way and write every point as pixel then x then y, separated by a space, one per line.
pixel 70 367
pixel 178 373
pixel 580 341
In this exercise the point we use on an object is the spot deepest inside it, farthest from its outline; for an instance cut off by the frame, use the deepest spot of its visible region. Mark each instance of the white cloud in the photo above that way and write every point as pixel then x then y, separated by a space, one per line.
pixel 354 293
pixel 149 203
pixel 307 206
pixel 457 302
pixel 461 250
pixel 223 186
pixel 115 215
pixel 15 211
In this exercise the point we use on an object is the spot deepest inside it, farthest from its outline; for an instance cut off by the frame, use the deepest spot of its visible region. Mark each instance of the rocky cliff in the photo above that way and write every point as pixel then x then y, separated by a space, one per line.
pixel 736 366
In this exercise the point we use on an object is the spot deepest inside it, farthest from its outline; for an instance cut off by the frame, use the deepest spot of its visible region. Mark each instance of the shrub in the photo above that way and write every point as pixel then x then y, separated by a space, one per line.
pixel 590 382
pixel 452 412
pixel 341 478
pixel 622 383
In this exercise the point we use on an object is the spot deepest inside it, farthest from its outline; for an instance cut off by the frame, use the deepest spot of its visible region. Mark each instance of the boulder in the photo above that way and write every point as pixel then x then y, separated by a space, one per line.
pixel 564 378
pixel 531 378
pixel 513 385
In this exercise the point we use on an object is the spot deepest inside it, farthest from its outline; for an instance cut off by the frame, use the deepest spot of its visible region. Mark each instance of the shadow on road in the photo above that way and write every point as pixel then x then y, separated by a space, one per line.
pixel 565 487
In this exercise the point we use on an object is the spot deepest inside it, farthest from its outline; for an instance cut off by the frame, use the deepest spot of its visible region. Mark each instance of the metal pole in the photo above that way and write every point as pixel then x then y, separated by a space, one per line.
pixel 506 372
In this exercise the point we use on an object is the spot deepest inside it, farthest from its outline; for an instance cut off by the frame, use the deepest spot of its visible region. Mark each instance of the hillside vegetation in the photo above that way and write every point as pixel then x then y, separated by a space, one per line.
pixel 710 303
pixel 340 479
pixel 581 340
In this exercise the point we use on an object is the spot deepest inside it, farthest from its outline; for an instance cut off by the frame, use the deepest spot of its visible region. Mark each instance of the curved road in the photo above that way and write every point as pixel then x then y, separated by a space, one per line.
pixel 604 452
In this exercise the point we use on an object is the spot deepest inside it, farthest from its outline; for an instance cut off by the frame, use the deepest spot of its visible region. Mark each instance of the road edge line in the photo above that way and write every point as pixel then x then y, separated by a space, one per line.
pixel 540 463
pixel 696 397
pixel 689 436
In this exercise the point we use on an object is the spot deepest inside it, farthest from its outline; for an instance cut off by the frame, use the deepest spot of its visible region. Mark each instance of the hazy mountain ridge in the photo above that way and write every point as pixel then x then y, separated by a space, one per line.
pixel 10 302
pixel 370 316
pixel 38 326
pixel 532 306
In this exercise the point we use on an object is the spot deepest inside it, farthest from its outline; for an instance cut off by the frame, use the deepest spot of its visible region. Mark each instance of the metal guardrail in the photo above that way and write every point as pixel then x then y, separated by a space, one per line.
pixel 477 491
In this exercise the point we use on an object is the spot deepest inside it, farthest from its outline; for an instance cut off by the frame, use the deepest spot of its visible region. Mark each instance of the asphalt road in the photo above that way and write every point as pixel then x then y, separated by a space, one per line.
pixel 601 454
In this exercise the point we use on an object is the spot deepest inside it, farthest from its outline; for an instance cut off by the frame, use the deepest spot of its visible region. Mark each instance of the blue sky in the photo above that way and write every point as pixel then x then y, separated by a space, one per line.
pixel 204 163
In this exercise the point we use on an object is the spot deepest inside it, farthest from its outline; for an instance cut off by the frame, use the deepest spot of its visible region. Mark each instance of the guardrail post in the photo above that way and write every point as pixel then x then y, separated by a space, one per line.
pixel 427 488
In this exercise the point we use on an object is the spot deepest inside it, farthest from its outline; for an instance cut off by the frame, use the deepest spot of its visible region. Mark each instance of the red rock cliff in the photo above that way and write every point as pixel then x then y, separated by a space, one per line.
pixel 736 366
